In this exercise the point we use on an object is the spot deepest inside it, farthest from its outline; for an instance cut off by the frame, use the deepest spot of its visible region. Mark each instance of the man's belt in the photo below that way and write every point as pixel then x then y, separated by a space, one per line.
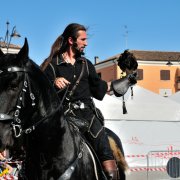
pixel 79 105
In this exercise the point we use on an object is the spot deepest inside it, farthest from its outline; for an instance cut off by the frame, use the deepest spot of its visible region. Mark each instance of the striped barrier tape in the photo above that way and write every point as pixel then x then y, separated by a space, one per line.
pixel 147 169
pixel 158 154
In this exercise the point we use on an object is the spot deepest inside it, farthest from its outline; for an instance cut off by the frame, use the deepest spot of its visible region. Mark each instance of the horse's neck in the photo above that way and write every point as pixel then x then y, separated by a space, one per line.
pixel 55 139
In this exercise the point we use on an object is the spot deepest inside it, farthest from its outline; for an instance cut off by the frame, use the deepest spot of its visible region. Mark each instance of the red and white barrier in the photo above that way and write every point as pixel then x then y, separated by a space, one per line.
pixel 146 169
pixel 162 156
pixel 158 154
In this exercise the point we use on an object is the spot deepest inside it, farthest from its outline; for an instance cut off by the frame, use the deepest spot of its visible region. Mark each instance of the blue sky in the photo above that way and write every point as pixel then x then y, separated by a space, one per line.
pixel 114 25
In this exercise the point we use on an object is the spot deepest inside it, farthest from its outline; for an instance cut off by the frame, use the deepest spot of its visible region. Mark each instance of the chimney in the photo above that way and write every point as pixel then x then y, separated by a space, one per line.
pixel 96 59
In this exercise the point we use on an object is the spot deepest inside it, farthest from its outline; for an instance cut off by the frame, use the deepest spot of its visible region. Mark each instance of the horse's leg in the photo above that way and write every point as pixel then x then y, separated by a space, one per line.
pixel 118 153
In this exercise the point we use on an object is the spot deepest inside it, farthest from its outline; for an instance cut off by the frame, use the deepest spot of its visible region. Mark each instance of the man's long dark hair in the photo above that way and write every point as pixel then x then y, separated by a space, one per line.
pixel 60 45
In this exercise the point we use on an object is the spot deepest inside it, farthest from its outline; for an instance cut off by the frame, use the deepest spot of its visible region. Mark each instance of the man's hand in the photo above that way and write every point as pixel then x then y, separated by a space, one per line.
pixel 61 82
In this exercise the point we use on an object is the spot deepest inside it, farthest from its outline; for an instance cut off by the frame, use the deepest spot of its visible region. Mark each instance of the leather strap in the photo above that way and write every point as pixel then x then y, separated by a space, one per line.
pixel 77 82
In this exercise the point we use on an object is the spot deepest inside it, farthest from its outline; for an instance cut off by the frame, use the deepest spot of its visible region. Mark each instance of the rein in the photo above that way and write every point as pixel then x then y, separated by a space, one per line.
pixel 31 128
pixel 16 122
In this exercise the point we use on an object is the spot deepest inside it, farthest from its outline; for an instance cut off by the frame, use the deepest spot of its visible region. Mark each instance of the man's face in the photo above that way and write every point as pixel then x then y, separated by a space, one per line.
pixel 81 42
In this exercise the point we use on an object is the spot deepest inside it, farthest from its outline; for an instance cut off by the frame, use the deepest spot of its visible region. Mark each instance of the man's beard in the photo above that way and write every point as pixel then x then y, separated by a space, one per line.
pixel 77 52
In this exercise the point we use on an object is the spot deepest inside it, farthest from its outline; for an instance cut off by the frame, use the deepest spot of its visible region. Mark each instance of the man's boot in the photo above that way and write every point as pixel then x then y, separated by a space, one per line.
pixel 110 169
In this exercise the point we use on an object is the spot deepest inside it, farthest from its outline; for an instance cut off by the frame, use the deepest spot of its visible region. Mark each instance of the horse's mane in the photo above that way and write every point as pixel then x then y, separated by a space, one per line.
pixel 43 86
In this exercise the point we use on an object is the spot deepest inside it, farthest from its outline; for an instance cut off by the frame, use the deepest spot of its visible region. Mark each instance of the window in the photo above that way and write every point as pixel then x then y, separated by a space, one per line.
pixel 140 74
pixel 165 74
pixel 178 82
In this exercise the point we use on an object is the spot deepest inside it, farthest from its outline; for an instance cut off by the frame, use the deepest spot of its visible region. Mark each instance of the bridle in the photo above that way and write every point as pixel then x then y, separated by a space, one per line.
pixel 16 121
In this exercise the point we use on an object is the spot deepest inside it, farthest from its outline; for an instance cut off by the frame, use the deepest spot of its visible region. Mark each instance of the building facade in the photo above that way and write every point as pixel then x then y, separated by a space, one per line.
pixel 158 71
pixel 13 49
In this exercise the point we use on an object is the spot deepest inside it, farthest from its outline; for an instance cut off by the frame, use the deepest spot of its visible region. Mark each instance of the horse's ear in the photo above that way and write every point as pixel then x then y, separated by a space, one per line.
pixel 24 52
pixel 1 53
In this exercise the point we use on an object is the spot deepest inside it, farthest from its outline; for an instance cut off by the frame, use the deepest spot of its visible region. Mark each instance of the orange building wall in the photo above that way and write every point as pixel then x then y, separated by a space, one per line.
pixel 151 78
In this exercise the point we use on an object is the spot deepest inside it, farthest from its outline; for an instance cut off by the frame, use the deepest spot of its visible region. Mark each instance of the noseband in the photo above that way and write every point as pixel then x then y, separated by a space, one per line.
pixel 16 122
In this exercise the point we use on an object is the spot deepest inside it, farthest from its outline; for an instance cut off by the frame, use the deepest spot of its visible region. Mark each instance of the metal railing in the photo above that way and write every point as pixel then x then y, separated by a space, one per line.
pixel 163 165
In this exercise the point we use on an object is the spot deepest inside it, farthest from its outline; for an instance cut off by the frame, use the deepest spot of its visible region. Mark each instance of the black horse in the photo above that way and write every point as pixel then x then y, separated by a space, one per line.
pixel 31 118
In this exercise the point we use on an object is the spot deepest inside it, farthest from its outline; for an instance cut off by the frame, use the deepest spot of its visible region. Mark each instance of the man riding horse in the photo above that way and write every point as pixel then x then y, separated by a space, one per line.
pixel 67 68
pixel 76 82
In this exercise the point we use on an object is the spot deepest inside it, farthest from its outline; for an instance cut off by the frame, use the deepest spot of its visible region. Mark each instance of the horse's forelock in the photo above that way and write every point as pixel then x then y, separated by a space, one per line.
pixel 8 60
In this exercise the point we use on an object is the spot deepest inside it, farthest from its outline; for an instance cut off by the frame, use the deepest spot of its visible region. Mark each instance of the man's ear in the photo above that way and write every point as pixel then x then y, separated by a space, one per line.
pixel 70 41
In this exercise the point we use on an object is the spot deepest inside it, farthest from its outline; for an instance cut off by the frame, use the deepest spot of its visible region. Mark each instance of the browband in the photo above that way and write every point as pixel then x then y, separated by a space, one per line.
pixel 14 69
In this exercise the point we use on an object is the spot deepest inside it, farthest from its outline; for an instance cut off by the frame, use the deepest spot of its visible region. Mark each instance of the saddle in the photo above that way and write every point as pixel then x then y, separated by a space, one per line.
pixel 81 124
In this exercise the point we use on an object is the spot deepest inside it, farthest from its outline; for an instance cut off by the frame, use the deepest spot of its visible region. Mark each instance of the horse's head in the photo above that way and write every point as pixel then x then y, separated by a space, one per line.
pixel 22 88
pixel 11 83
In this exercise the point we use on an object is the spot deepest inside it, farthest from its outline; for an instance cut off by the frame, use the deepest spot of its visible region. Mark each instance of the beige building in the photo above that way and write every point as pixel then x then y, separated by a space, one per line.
pixel 12 48
pixel 158 71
